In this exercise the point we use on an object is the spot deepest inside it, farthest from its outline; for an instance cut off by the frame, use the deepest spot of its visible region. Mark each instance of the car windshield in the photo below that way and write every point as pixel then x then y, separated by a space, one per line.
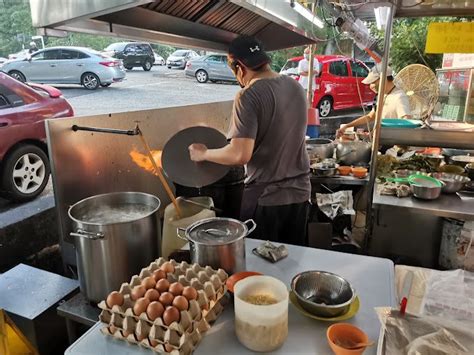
pixel 180 53
pixel 290 64
pixel 116 47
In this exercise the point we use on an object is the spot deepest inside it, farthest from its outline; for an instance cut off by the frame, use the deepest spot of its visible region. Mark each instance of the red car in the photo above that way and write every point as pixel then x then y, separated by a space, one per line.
pixel 24 164
pixel 339 84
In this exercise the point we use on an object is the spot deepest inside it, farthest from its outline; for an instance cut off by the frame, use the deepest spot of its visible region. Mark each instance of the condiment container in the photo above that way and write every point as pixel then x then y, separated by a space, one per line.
pixel 261 328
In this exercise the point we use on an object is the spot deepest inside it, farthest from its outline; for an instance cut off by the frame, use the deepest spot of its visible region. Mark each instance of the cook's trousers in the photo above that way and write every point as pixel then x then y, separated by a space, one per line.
pixel 282 224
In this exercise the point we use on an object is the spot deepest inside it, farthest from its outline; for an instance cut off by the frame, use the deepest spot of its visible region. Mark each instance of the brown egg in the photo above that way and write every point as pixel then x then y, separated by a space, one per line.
pixel 176 288
pixel 153 342
pixel 125 333
pixel 205 307
pixel 171 315
pixel 149 282
pixel 166 298
pixel 140 337
pixel 155 310
pixel 159 274
pixel 168 348
pixel 167 267
pixel 137 292
pixel 162 285
pixel 112 329
pixel 141 306
pixel 190 293
pixel 181 303
pixel 152 295
pixel 114 299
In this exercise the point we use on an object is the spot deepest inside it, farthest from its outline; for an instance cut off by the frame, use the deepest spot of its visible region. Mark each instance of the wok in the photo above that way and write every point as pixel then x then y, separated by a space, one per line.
pixel 353 153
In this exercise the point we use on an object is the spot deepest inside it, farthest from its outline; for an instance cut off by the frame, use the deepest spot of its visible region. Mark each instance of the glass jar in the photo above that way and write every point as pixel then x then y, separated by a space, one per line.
pixel 261 327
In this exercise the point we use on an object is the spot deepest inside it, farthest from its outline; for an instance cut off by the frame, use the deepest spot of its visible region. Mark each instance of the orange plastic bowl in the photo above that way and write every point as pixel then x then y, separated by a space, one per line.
pixel 359 172
pixel 341 333
pixel 344 170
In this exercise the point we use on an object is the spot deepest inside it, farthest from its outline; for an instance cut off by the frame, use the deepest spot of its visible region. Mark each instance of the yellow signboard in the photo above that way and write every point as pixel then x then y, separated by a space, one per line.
pixel 450 37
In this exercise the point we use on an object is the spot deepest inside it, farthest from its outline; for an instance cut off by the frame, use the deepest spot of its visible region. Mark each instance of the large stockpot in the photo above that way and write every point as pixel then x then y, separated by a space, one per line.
pixel 320 148
pixel 115 235
pixel 353 153
pixel 218 242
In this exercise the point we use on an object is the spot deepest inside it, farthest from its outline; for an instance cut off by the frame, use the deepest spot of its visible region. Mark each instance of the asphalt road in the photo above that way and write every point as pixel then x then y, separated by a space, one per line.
pixel 158 88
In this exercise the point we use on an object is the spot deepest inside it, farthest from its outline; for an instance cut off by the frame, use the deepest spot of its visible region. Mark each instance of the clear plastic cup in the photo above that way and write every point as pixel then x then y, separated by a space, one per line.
pixel 261 328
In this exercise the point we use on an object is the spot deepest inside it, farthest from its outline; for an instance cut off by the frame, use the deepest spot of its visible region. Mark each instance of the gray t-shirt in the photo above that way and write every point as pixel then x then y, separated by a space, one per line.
pixel 273 112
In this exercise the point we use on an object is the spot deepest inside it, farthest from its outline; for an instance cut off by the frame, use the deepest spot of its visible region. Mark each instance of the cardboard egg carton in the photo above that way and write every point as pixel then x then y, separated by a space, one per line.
pixel 158 338
pixel 178 337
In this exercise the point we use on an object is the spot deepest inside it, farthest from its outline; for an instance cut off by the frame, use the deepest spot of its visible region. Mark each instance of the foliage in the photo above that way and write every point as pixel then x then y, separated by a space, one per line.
pixel 15 26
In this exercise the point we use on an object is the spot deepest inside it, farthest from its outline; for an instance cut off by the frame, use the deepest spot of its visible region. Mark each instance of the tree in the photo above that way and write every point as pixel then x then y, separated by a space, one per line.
pixel 15 26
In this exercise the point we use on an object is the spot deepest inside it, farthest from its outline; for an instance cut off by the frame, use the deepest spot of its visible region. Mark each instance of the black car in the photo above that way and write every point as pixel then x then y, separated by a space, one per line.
pixel 132 54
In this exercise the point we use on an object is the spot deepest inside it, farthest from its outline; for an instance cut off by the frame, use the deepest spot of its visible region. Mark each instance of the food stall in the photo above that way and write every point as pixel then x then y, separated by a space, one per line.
pixel 90 159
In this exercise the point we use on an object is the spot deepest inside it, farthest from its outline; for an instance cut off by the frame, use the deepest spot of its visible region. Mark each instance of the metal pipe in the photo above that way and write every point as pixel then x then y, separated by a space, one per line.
pixel 132 132
pixel 309 92
pixel 377 127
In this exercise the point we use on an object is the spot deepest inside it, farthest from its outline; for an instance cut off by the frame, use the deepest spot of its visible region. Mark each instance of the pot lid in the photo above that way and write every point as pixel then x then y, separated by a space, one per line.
pixel 216 231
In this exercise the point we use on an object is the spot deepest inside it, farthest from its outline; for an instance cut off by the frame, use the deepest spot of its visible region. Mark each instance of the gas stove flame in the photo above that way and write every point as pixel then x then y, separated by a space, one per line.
pixel 144 162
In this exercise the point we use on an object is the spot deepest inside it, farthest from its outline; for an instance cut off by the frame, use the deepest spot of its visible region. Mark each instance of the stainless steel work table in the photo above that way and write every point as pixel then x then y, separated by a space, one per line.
pixel 372 278
pixel 447 205
pixel 339 180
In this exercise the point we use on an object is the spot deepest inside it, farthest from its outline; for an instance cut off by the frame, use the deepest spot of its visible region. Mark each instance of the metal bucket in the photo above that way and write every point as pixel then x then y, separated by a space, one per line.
pixel 115 235
pixel 218 242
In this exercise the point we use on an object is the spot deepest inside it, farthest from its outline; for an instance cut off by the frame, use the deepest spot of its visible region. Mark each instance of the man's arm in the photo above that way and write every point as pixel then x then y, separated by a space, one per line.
pixel 302 68
pixel 238 152
pixel 370 117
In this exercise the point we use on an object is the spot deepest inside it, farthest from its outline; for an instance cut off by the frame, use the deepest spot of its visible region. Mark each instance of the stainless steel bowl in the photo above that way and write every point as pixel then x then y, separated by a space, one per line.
pixel 323 293
pixel 353 153
pixel 452 182
pixel 426 192
pixel 320 148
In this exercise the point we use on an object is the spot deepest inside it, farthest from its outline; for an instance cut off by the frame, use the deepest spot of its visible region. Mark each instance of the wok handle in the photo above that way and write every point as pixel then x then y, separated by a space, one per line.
pixel 252 227
pixel 88 235
pixel 179 232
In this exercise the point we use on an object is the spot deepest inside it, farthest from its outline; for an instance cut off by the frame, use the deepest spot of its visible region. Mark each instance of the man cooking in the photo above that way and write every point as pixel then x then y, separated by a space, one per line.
pixel 303 69
pixel 268 136
pixel 396 103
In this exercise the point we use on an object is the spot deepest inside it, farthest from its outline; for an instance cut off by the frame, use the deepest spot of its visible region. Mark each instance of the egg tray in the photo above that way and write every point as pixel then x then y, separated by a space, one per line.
pixel 182 336
pixel 161 339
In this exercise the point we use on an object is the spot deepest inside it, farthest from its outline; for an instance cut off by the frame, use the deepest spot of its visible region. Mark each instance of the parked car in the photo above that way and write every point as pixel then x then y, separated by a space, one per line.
pixel 159 60
pixel 179 58
pixel 67 65
pixel 211 67
pixel 24 164
pixel 132 54
pixel 338 85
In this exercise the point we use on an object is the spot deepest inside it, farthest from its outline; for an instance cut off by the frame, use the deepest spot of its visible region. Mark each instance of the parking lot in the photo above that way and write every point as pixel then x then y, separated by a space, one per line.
pixel 160 87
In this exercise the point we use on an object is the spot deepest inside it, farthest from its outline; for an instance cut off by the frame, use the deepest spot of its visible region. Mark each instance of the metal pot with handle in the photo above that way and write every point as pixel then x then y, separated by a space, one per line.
pixel 115 236
pixel 218 242
pixel 320 148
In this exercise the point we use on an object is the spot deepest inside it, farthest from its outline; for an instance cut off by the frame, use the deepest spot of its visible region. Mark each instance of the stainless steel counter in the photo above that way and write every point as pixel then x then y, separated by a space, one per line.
pixel 372 278
pixel 451 205
pixel 339 180
pixel 424 137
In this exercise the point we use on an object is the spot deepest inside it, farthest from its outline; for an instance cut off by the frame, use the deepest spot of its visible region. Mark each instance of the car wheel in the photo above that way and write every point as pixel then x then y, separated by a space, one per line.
pixel 147 65
pixel 106 85
pixel 15 74
pixel 25 173
pixel 90 81
pixel 325 106
pixel 128 67
pixel 201 76
pixel 169 67
pixel 213 81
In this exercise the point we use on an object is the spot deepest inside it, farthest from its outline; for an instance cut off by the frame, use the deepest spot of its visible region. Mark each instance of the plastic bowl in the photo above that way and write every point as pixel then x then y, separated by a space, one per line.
pixel 345 333
pixel 359 172
pixel 344 170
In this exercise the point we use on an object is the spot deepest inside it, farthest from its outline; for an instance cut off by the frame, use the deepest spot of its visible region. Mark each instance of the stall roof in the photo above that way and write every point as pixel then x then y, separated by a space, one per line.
pixel 364 9
pixel 209 24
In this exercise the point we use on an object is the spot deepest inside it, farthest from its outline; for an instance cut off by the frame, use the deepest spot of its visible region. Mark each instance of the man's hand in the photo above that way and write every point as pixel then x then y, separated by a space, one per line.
pixel 340 131
pixel 197 152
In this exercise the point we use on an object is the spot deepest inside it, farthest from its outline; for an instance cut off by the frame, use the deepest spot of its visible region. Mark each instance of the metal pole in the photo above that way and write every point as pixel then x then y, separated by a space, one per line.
pixel 309 92
pixel 377 127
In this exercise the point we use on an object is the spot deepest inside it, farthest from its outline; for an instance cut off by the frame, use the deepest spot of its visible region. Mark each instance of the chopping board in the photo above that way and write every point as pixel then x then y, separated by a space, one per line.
pixel 179 167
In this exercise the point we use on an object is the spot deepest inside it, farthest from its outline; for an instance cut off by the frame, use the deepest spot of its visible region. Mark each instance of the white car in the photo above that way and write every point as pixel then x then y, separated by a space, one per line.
pixel 159 60
pixel 179 58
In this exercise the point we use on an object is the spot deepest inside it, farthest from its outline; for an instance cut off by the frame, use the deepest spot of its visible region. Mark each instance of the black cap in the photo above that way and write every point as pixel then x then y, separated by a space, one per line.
pixel 249 51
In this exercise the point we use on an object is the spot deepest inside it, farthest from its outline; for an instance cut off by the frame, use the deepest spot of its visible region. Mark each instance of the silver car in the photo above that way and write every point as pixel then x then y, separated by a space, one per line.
pixel 179 58
pixel 211 67
pixel 67 65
